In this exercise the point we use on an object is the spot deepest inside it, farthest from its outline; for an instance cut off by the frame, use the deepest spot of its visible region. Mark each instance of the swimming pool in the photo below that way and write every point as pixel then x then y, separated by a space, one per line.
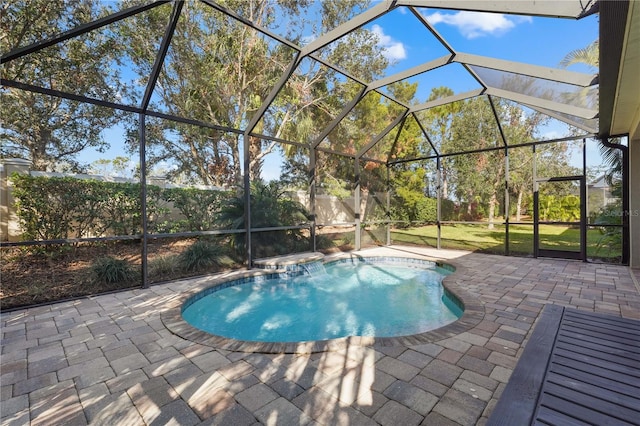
pixel 375 297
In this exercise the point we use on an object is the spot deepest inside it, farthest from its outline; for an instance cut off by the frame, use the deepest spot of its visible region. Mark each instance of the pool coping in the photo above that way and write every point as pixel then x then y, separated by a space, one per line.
pixel 473 314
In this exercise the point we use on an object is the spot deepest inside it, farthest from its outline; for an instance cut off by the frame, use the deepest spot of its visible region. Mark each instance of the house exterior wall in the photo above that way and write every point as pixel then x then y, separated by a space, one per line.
pixel 634 200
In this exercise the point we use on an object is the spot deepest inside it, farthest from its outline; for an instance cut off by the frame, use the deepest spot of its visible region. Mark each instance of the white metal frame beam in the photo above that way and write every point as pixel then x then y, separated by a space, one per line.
pixel 447 100
pixel 349 26
pixel 550 8
pixel 543 103
pixel 427 66
pixel 553 74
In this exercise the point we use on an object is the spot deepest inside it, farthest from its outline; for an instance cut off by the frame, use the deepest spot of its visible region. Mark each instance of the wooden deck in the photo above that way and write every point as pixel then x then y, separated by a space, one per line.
pixel 577 368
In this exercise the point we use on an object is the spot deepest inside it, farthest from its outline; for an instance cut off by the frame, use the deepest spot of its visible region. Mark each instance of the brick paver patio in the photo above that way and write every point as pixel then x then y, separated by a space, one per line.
pixel 110 359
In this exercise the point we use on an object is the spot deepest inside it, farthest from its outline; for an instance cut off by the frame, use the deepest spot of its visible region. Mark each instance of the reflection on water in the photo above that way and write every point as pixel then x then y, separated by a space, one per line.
pixel 380 300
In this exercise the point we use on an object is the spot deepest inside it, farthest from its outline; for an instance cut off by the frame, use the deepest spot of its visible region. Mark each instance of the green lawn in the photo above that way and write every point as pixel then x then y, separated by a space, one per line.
pixel 480 238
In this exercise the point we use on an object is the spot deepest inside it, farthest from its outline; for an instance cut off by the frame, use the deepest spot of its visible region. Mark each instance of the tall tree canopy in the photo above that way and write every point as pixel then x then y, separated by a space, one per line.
pixel 220 71
pixel 47 130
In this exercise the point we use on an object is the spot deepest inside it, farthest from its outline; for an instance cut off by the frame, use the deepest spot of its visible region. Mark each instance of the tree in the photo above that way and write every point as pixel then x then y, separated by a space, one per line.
pixel 220 71
pixel 438 121
pixel 119 166
pixel 478 176
pixel 412 204
pixel 270 207
pixel 520 127
pixel 47 130
pixel 589 55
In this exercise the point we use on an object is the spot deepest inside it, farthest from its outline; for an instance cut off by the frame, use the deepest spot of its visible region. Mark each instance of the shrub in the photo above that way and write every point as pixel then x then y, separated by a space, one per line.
pixel 200 255
pixel 427 210
pixel 200 207
pixel 323 242
pixel 163 266
pixel 421 210
pixel 348 238
pixel 562 208
pixel 51 208
pixel 610 240
pixel 447 209
pixel 109 270
pixel 270 207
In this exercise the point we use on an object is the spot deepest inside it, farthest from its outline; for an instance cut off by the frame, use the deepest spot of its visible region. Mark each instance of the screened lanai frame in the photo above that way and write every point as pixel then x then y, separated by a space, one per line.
pixel 480 68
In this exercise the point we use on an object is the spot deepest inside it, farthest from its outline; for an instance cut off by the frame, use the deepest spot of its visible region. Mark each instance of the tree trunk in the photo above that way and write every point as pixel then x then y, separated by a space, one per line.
pixel 38 148
pixel 255 148
pixel 237 168
pixel 445 187
pixel 492 209
pixel 519 205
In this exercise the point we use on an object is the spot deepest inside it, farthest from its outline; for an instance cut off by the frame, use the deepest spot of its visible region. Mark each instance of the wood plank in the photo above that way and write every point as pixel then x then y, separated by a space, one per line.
pixel 580 412
pixel 600 381
pixel 593 406
pixel 592 374
pixel 597 353
pixel 519 398
pixel 606 338
pixel 581 358
pixel 549 416
pixel 608 343
pixel 629 401
pixel 595 370
pixel 590 344
pixel 604 324
pixel 594 330
pixel 596 316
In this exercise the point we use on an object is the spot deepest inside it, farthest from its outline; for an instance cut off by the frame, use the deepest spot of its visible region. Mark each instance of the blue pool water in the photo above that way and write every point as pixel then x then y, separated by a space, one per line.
pixel 380 300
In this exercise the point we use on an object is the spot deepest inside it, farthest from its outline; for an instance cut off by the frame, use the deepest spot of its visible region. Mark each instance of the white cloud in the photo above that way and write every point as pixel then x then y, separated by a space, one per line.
pixel 477 24
pixel 391 49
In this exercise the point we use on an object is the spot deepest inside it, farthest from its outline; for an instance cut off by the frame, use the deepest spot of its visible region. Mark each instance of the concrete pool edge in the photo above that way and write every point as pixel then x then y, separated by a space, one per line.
pixel 172 317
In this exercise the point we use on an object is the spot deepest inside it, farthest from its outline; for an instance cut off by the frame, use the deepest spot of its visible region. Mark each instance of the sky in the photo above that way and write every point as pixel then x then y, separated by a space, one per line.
pixel 537 41
pixel 407 43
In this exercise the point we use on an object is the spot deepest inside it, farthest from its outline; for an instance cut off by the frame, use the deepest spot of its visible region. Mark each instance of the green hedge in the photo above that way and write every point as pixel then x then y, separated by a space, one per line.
pixel 423 210
pixel 558 208
pixel 50 208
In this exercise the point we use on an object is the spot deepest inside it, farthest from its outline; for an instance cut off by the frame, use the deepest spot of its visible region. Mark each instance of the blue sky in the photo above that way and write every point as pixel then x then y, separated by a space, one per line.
pixel 535 40
pixel 407 43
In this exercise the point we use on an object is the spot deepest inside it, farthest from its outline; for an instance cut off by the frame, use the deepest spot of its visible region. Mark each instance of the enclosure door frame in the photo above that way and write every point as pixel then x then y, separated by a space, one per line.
pixel 561 254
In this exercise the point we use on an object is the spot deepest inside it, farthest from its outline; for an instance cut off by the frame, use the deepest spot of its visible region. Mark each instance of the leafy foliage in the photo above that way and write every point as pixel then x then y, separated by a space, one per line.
pixel 50 131
pixel 559 208
pixel 200 255
pixel 108 270
pixel 220 71
pixel 52 208
pixel 199 207
pixel 270 207
pixel 411 204
pixel 162 266
pixel 608 222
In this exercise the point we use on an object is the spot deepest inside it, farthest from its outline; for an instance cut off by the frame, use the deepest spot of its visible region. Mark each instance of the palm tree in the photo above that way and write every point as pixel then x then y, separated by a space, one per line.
pixel 590 56
pixel 611 236
pixel 270 207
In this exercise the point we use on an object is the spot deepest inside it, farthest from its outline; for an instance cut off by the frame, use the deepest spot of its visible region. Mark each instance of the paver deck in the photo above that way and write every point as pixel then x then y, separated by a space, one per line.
pixel 110 359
